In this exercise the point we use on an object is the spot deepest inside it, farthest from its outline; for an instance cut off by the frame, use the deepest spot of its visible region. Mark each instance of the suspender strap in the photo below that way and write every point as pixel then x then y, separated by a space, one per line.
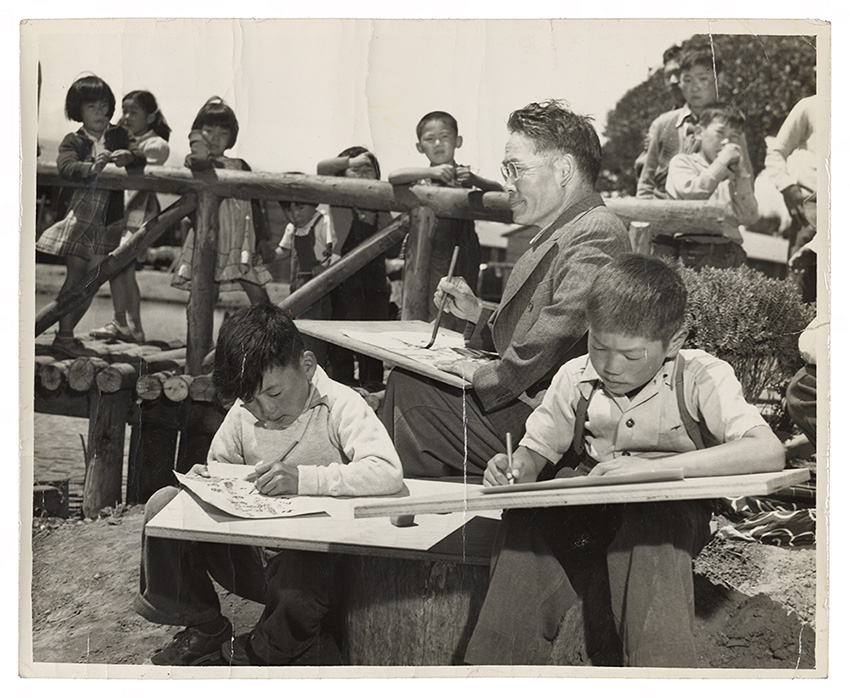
pixel 581 420
pixel 692 427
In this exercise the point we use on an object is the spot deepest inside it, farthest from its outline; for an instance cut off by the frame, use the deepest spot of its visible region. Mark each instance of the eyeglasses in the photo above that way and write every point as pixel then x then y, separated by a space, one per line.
pixel 515 171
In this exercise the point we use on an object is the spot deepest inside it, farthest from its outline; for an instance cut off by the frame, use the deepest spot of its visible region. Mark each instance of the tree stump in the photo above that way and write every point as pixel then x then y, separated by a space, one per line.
pixel 107 418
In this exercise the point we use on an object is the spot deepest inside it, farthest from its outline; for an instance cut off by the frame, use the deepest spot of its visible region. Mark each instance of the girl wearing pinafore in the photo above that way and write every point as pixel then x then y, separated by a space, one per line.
pixel 149 134
pixel 242 235
pixel 91 218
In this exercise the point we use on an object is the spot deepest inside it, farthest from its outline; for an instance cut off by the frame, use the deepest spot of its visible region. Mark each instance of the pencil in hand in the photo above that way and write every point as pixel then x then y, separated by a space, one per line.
pixel 510 449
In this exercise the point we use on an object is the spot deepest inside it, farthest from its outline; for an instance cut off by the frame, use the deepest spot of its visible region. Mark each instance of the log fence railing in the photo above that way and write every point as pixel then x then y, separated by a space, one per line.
pixel 202 193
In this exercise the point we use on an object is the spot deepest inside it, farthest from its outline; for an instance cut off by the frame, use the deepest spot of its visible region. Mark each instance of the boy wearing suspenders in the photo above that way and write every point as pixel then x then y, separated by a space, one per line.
pixel 636 400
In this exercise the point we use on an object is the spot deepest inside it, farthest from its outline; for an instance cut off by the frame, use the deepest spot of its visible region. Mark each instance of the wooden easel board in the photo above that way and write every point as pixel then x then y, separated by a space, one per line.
pixel 454 537
pixel 475 499
pixel 333 331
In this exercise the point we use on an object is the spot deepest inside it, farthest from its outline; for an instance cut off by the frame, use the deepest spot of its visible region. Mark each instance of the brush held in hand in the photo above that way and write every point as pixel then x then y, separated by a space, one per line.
pixel 445 300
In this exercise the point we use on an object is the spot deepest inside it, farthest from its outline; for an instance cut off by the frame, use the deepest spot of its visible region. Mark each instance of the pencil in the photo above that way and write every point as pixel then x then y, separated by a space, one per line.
pixel 445 299
pixel 509 442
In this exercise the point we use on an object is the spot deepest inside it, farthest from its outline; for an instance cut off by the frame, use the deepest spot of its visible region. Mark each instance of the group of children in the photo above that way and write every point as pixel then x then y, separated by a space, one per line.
pixel 636 400
pixel 95 222
pixel 699 152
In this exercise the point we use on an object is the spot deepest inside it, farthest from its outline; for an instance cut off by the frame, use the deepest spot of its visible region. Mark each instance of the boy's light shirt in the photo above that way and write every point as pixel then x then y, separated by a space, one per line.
pixel 647 423
pixel 366 462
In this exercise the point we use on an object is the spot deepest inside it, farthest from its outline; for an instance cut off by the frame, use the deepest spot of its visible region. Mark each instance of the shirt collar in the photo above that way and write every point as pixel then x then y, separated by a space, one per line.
pixel 91 137
pixel 589 378
pixel 685 114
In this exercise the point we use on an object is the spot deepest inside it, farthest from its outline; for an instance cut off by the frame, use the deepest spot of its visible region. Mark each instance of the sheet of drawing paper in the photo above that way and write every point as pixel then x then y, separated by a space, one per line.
pixel 448 346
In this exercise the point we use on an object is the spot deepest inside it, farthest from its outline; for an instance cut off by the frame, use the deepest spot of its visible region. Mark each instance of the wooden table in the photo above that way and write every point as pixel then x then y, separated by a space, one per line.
pixel 332 331
pixel 475 499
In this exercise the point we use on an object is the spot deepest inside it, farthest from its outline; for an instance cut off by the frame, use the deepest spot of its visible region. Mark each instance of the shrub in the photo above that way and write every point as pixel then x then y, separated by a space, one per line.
pixel 753 322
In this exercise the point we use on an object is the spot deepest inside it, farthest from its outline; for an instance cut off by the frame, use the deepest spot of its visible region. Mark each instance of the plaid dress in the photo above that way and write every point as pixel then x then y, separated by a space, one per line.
pixel 93 218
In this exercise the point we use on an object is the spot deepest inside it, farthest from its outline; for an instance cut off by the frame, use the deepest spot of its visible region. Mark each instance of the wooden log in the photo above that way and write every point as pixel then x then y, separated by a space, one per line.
pixel 107 419
pixel 117 377
pixel 202 388
pixel 152 464
pixel 169 360
pixel 116 261
pixel 176 388
pixel 149 385
pixel 41 362
pixel 410 612
pixel 664 215
pixel 54 375
pixel 50 495
pixel 202 421
pixel 203 293
pixel 83 371
pixel 417 264
pixel 297 302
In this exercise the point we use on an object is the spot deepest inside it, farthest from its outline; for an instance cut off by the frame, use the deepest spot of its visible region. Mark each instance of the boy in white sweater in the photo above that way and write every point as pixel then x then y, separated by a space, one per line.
pixel 283 403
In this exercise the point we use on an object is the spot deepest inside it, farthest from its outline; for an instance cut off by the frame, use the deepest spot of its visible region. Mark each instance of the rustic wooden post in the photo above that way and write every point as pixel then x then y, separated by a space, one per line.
pixel 107 417
pixel 203 294
pixel 153 452
pixel 417 263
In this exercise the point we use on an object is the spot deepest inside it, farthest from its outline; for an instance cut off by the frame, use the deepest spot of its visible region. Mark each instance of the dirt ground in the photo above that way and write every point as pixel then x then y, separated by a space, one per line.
pixel 755 604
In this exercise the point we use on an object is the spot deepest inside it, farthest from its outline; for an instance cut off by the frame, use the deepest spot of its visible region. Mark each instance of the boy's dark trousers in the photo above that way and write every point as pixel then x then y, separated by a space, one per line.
pixel 298 588
pixel 630 565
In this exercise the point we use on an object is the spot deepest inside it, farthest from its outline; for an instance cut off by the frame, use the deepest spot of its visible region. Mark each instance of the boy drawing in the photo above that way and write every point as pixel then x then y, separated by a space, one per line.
pixel 636 401
pixel 438 138
pixel 718 171
pixel 335 445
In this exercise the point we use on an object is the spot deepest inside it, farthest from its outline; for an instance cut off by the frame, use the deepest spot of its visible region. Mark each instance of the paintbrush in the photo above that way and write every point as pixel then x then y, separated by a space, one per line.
pixel 445 299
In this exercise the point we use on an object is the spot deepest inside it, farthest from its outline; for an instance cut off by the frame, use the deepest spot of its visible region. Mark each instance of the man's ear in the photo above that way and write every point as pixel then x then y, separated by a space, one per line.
pixel 565 168
pixel 419 148
pixel 458 141
pixel 677 341
pixel 309 363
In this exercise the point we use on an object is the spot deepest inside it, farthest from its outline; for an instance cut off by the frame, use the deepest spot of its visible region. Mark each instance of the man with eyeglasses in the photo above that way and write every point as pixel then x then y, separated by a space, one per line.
pixel 551 163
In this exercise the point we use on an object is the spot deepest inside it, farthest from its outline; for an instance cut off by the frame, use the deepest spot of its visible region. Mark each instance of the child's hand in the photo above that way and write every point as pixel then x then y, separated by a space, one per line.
pixel 626 464
pixel 199 469
pixel 524 469
pixel 361 160
pixel 730 155
pixel 101 160
pixel 465 176
pixel 122 157
pixel 444 173
pixel 275 479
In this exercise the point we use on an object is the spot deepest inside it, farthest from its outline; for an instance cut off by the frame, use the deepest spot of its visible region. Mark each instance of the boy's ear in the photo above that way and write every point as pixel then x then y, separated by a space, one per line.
pixel 309 363
pixel 458 141
pixel 677 341
pixel 419 148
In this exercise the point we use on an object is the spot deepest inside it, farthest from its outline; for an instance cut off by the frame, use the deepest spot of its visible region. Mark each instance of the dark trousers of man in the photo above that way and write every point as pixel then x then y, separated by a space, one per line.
pixel 803 401
pixel 630 565
pixel 298 589
pixel 441 431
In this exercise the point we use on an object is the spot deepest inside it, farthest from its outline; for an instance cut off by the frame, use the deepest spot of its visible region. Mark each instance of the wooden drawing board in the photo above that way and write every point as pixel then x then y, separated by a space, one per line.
pixel 474 499
pixel 332 331
pixel 453 537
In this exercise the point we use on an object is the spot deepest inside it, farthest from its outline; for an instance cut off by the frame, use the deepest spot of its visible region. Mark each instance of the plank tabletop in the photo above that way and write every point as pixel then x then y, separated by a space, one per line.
pixel 475 498
pixel 454 537
pixel 333 331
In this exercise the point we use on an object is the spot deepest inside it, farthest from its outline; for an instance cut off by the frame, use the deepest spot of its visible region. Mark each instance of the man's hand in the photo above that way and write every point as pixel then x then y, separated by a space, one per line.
pixel 525 468
pixel 199 469
pixel 275 479
pixel 122 157
pixel 462 302
pixel 465 368
pixel 444 173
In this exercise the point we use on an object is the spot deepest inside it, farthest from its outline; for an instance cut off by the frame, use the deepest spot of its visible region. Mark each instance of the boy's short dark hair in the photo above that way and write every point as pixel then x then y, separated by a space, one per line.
pixel 728 114
pixel 356 150
pixel 637 296
pixel 87 89
pixel 250 342
pixel 216 112
pixel 699 54
pixel 443 116
pixel 552 126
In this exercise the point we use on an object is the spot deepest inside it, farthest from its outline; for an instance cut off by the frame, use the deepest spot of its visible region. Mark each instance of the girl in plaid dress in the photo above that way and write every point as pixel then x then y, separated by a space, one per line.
pixel 149 134
pixel 90 219
pixel 242 235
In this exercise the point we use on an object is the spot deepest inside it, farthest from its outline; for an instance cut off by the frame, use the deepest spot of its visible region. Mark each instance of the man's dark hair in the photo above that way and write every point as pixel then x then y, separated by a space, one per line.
pixel 443 116
pixel 89 88
pixel 553 127
pixel 250 342
pixel 729 115
pixel 699 54
pixel 637 296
